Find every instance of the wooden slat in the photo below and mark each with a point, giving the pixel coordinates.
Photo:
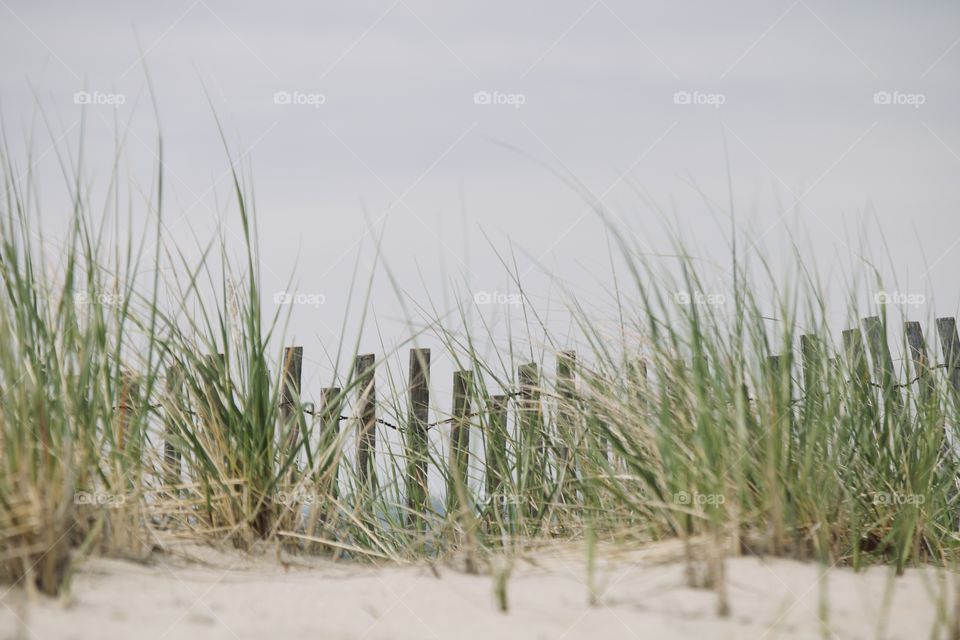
(883, 369)
(367, 410)
(457, 489)
(920, 359)
(416, 435)
(950, 345)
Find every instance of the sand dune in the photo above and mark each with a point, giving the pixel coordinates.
(200, 593)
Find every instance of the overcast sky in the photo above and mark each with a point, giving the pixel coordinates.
(442, 127)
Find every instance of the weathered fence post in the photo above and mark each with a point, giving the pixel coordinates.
(566, 424)
(811, 358)
(457, 489)
(329, 433)
(882, 361)
(781, 386)
(531, 438)
(774, 374)
(855, 356)
(862, 401)
(811, 362)
(950, 345)
(289, 395)
(124, 521)
(920, 359)
(416, 437)
(495, 448)
(328, 456)
(367, 409)
(171, 456)
(777, 438)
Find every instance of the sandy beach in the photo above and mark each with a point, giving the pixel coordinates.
(201, 593)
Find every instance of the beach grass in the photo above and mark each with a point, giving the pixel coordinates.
(135, 408)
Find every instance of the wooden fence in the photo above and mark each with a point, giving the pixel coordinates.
(865, 351)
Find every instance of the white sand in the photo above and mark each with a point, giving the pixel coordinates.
(643, 596)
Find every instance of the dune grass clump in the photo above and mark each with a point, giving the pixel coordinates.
(789, 446)
(72, 414)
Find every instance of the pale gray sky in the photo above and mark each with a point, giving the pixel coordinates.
(388, 134)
